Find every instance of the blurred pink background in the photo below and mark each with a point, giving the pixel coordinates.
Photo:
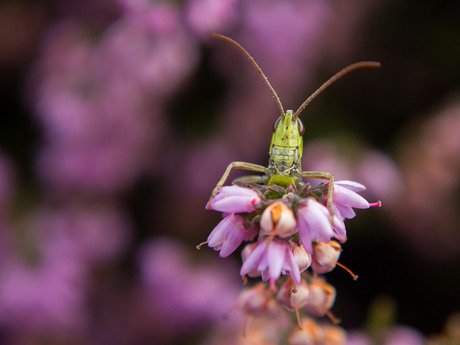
(119, 118)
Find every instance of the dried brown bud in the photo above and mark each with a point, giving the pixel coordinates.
(322, 297)
(292, 296)
(258, 301)
(325, 256)
(278, 219)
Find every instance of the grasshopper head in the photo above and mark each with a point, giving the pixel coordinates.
(286, 144)
(287, 130)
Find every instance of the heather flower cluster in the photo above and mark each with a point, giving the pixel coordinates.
(290, 237)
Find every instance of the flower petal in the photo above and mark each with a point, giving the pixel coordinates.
(340, 230)
(345, 211)
(233, 241)
(253, 259)
(275, 256)
(345, 196)
(227, 235)
(292, 266)
(234, 199)
(220, 232)
(351, 185)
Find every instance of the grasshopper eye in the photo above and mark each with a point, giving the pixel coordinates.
(277, 122)
(301, 127)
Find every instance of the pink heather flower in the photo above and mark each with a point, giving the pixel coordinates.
(272, 257)
(345, 198)
(313, 224)
(234, 199)
(229, 233)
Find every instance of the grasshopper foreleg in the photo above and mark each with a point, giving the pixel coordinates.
(261, 179)
(235, 165)
(330, 188)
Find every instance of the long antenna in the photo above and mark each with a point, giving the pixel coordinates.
(338, 75)
(254, 63)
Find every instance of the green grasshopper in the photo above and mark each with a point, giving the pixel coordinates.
(284, 166)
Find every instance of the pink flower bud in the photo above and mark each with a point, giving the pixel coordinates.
(278, 219)
(292, 296)
(325, 256)
(322, 297)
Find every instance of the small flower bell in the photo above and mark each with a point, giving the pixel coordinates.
(314, 223)
(325, 256)
(258, 301)
(322, 297)
(229, 234)
(293, 296)
(278, 219)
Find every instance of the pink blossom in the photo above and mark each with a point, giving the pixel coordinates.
(345, 198)
(272, 257)
(229, 233)
(314, 224)
(234, 199)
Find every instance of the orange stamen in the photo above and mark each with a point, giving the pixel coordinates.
(332, 317)
(297, 314)
(348, 270)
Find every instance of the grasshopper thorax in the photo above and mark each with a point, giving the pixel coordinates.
(286, 145)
